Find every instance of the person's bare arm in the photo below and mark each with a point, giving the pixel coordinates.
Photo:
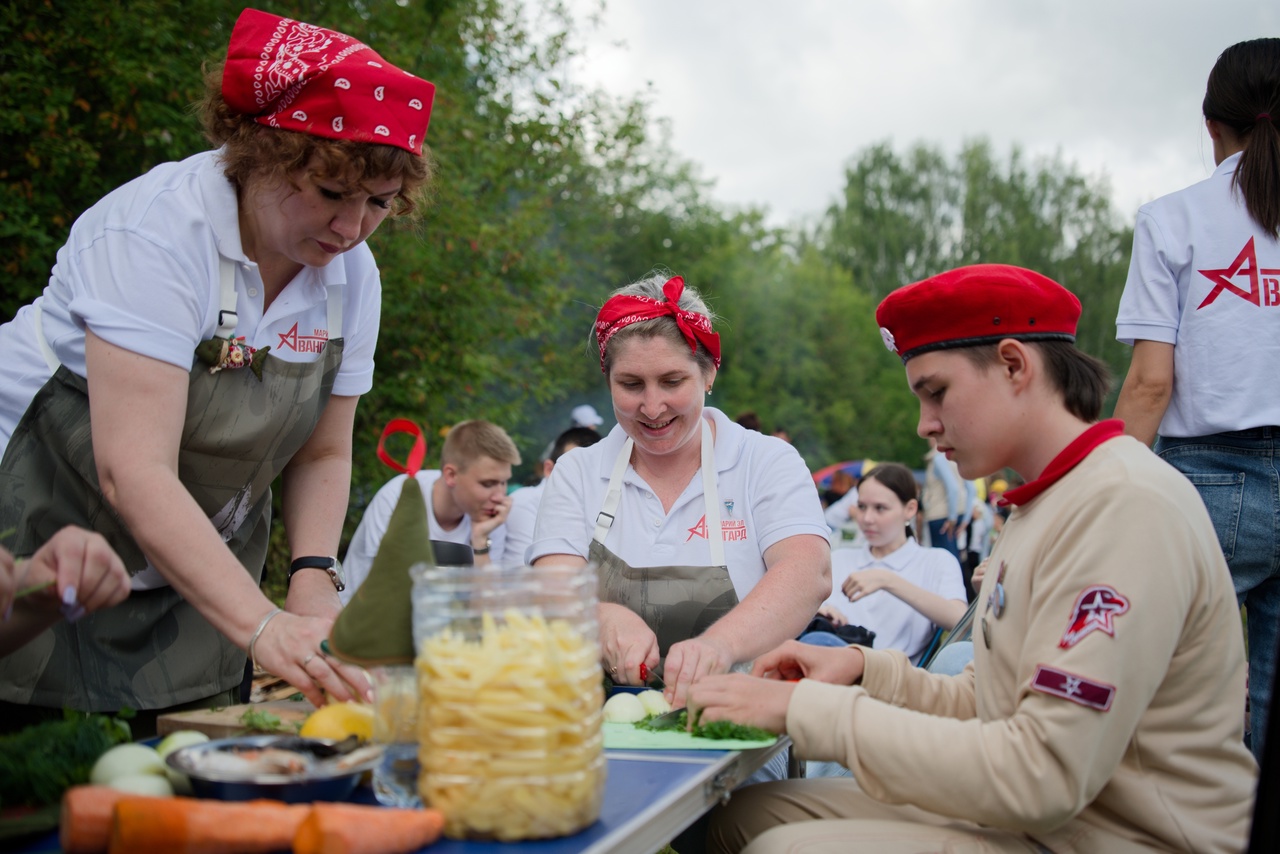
(941, 612)
(316, 489)
(138, 408)
(1147, 388)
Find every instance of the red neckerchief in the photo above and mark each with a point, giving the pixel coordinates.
(1064, 462)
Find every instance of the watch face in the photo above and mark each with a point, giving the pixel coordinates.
(337, 572)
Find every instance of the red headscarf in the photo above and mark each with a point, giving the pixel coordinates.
(622, 310)
(299, 77)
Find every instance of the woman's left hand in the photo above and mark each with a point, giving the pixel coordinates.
(867, 581)
(627, 643)
(690, 660)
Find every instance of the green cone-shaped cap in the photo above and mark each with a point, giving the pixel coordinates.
(376, 627)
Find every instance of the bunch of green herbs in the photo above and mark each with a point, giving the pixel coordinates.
(40, 762)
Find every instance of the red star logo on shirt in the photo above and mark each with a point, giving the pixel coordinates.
(698, 530)
(1246, 264)
(289, 339)
(1095, 610)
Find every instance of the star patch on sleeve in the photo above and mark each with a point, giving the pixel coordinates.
(1077, 689)
(1095, 610)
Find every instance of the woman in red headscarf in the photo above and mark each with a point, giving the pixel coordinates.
(709, 538)
(208, 327)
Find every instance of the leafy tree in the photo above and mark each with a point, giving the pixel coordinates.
(92, 94)
(906, 217)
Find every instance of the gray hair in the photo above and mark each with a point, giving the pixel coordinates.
(661, 327)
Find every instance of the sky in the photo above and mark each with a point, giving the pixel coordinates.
(773, 98)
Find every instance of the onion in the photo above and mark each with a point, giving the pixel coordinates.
(654, 703)
(624, 708)
(124, 760)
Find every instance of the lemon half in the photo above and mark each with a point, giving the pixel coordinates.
(339, 720)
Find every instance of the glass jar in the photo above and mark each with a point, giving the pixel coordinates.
(511, 692)
(395, 725)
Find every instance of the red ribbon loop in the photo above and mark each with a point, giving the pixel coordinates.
(416, 455)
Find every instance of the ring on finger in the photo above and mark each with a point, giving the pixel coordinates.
(307, 660)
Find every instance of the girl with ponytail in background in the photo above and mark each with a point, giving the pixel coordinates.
(1201, 309)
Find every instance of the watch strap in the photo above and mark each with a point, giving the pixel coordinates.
(488, 543)
(328, 563)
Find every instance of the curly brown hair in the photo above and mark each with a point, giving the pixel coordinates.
(252, 151)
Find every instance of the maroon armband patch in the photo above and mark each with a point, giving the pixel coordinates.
(1077, 689)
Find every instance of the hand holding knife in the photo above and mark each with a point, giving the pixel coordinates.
(651, 679)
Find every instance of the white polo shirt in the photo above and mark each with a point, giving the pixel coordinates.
(373, 525)
(1206, 278)
(520, 521)
(766, 492)
(141, 268)
(897, 625)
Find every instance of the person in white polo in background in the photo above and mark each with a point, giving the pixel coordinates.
(1199, 308)
(525, 502)
(467, 500)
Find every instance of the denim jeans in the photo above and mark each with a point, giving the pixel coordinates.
(822, 639)
(1238, 476)
(952, 659)
(939, 540)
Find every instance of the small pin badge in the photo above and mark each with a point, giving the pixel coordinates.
(995, 602)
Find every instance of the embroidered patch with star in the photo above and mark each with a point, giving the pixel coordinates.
(1077, 689)
(1095, 610)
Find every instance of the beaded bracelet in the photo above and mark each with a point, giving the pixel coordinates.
(275, 612)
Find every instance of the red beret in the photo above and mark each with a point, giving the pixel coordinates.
(304, 78)
(970, 306)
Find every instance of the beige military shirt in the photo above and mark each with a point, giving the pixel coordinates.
(1104, 709)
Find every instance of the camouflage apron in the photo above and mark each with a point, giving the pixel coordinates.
(676, 602)
(155, 649)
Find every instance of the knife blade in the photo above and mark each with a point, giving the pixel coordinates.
(666, 720)
(650, 679)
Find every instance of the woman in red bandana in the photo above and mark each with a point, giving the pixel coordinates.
(709, 538)
(208, 327)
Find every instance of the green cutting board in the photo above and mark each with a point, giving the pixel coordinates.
(629, 737)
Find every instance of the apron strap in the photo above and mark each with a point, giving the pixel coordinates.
(604, 519)
(227, 300)
(49, 358)
(227, 318)
(710, 495)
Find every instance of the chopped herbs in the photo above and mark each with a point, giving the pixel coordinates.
(715, 729)
(262, 721)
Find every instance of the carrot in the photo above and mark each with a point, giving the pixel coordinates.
(193, 826)
(334, 828)
(84, 827)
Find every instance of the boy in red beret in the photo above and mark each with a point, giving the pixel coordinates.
(1104, 707)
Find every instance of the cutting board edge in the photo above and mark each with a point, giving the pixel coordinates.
(225, 722)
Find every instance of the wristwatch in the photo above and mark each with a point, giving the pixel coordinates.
(330, 565)
(484, 551)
